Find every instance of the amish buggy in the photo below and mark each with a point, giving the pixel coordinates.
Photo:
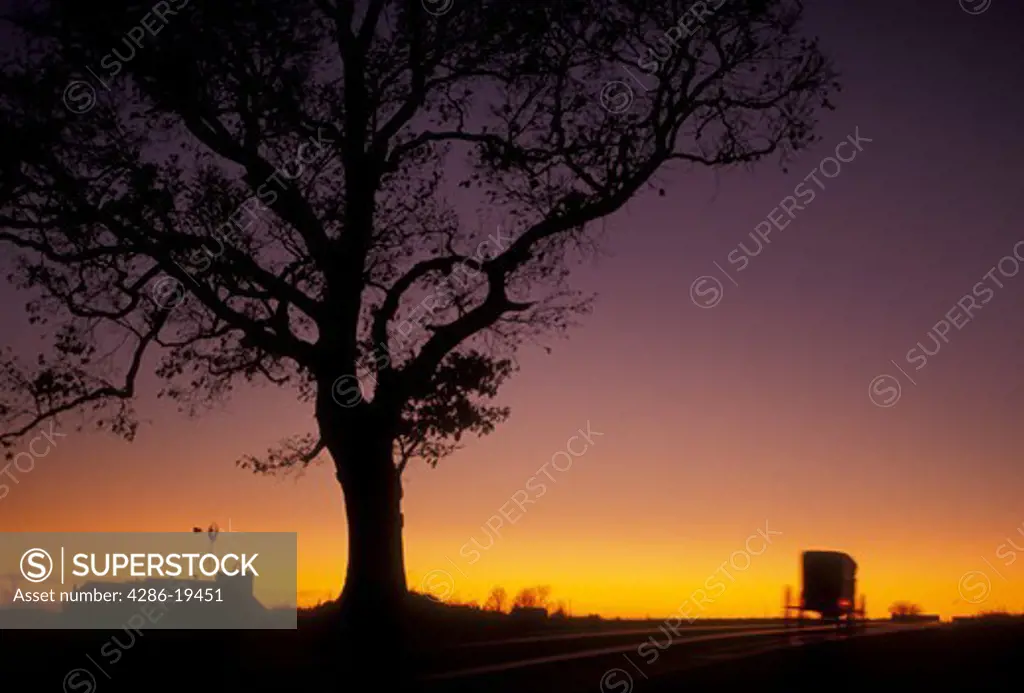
(829, 590)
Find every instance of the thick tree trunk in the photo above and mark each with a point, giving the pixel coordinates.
(375, 585)
(373, 623)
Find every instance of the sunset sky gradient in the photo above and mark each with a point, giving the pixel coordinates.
(716, 422)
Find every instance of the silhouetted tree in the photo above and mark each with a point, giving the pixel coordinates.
(265, 191)
(532, 597)
(496, 600)
(904, 609)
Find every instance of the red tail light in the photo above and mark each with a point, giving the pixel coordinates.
(844, 603)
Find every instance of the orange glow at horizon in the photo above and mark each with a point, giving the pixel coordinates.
(622, 531)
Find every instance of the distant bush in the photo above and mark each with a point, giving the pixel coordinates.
(533, 598)
(497, 600)
(905, 609)
(562, 610)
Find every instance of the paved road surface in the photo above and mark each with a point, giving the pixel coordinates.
(570, 662)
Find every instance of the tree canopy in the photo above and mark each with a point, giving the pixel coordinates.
(373, 203)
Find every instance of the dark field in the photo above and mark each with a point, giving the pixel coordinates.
(967, 657)
(975, 657)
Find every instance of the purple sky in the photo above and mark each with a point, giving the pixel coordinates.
(716, 418)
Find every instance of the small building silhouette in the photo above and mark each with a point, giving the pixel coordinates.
(529, 613)
(915, 618)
